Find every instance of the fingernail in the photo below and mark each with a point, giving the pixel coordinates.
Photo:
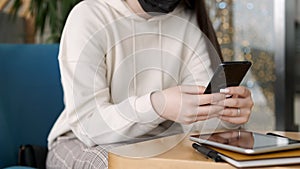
(228, 95)
(224, 90)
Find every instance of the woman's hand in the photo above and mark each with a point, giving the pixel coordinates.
(237, 109)
(187, 104)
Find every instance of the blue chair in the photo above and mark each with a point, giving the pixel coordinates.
(31, 97)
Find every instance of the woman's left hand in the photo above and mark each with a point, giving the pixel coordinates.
(237, 108)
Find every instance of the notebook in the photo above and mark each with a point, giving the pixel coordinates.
(275, 158)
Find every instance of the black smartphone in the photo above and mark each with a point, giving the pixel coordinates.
(228, 74)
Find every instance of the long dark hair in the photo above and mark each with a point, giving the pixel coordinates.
(205, 26)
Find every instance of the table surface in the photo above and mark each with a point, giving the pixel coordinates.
(173, 152)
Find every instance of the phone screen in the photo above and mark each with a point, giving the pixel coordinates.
(228, 74)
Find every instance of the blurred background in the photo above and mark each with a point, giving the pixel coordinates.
(266, 33)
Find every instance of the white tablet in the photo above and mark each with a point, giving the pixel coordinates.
(246, 142)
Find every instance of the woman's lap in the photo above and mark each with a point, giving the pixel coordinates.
(69, 152)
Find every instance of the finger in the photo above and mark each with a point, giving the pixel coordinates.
(192, 89)
(235, 102)
(241, 91)
(232, 112)
(229, 112)
(203, 113)
(205, 99)
(208, 110)
(234, 120)
(201, 89)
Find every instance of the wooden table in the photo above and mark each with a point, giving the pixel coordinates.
(173, 152)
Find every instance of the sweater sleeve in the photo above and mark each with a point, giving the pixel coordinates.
(91, 114)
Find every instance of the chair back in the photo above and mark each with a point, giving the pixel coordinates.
(31, 97)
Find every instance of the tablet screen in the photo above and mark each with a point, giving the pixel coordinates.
(246, 139)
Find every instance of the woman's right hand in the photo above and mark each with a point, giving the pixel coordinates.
(186, 104)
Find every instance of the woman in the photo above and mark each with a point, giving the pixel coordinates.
(136, 69)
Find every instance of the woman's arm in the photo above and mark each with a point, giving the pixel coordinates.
(91, 113)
